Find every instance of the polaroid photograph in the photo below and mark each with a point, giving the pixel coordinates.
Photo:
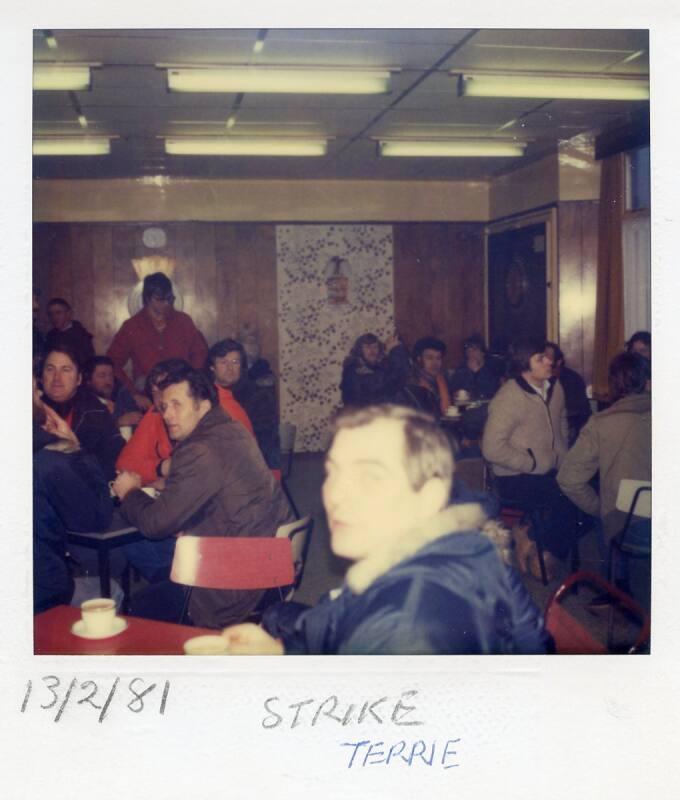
(341, 367)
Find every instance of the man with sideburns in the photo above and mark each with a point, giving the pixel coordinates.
(218, 485)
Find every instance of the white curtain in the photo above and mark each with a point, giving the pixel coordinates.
(637, 274)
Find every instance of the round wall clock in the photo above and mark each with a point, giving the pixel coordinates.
(154, 237)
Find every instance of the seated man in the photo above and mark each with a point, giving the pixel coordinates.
(617, 443)
(69, 493)
(424, 580)
(68, 332)
(641, 343)
(575, 397)
(148, 451)
(427, 389)
(217, 485)
(95, 429)
(475, 376)
(99, 377)
(244, 400)
(525, 440)
(373, 373)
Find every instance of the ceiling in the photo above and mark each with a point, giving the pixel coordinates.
(129, 99)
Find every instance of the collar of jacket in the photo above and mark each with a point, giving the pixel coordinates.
(455, 519)
(527, 387)
(630, 404)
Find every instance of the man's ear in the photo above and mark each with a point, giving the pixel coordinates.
(433, 496)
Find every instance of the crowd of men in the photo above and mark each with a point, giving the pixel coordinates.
(430, 568)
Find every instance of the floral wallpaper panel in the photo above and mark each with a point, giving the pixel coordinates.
(335, 282)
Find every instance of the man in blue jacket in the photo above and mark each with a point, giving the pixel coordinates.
(425, 578)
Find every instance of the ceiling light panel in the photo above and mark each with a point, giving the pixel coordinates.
(550, 87)
(72, 146)
(235, 146)
(287, 81)
(450, 148)
(61, 77)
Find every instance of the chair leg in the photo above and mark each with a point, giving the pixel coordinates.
(185, 607)
(286, 491)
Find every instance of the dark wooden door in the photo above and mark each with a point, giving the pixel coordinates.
(517, 285)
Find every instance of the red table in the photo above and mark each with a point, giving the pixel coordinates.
(52, 636)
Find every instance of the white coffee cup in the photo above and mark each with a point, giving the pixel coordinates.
(206, 646)
(98, 615)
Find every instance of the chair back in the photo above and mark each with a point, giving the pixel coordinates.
(298, 533)
(635, 497)
(571, 637)
(223, 562)
(287, 434)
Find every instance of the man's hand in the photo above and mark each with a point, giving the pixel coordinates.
(58, 426)
(164, 467)
(251, 640)
(125, 482)
(131, 418)
(142, 401)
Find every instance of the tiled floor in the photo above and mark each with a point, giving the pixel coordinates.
(324, 571)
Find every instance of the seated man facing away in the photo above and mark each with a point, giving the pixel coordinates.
(427, 389)
(425, 579)
(617, 443)
(217, 485)
(373, 373)
(525, 440)
(99, 378)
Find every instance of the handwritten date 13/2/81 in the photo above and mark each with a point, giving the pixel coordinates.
(51, 693)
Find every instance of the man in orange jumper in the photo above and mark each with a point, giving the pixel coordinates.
(155, 333)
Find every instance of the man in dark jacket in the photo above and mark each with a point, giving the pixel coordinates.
(425, 579)
(95, 429)
(575, 396)
(373, 373)
(218, 485)
(475, 376)
(68, 332)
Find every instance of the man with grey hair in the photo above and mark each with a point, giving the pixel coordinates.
(425, 578)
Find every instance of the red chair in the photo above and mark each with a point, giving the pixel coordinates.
(222, 562)
(571, 638)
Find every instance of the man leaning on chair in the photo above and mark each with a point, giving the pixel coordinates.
(207, 492)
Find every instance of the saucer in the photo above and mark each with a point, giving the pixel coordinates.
(119, 625)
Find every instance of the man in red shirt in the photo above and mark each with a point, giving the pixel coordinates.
(154, 334)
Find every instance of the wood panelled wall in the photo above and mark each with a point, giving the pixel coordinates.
(225, 272)
(577, 254)
(439, 283)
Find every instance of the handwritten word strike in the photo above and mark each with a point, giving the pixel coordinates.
(311, 712)
(134, 695)
(367, 753)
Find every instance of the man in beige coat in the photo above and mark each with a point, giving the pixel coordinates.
(616, 442)
(525, 440)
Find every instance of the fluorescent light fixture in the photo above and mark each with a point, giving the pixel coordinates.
(64, 77)
(72, 146)
(51, 42)
(268, 79)
(446, 148)
(238, 146)
(551, 87)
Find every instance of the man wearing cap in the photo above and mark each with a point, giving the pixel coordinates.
(155, 333)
